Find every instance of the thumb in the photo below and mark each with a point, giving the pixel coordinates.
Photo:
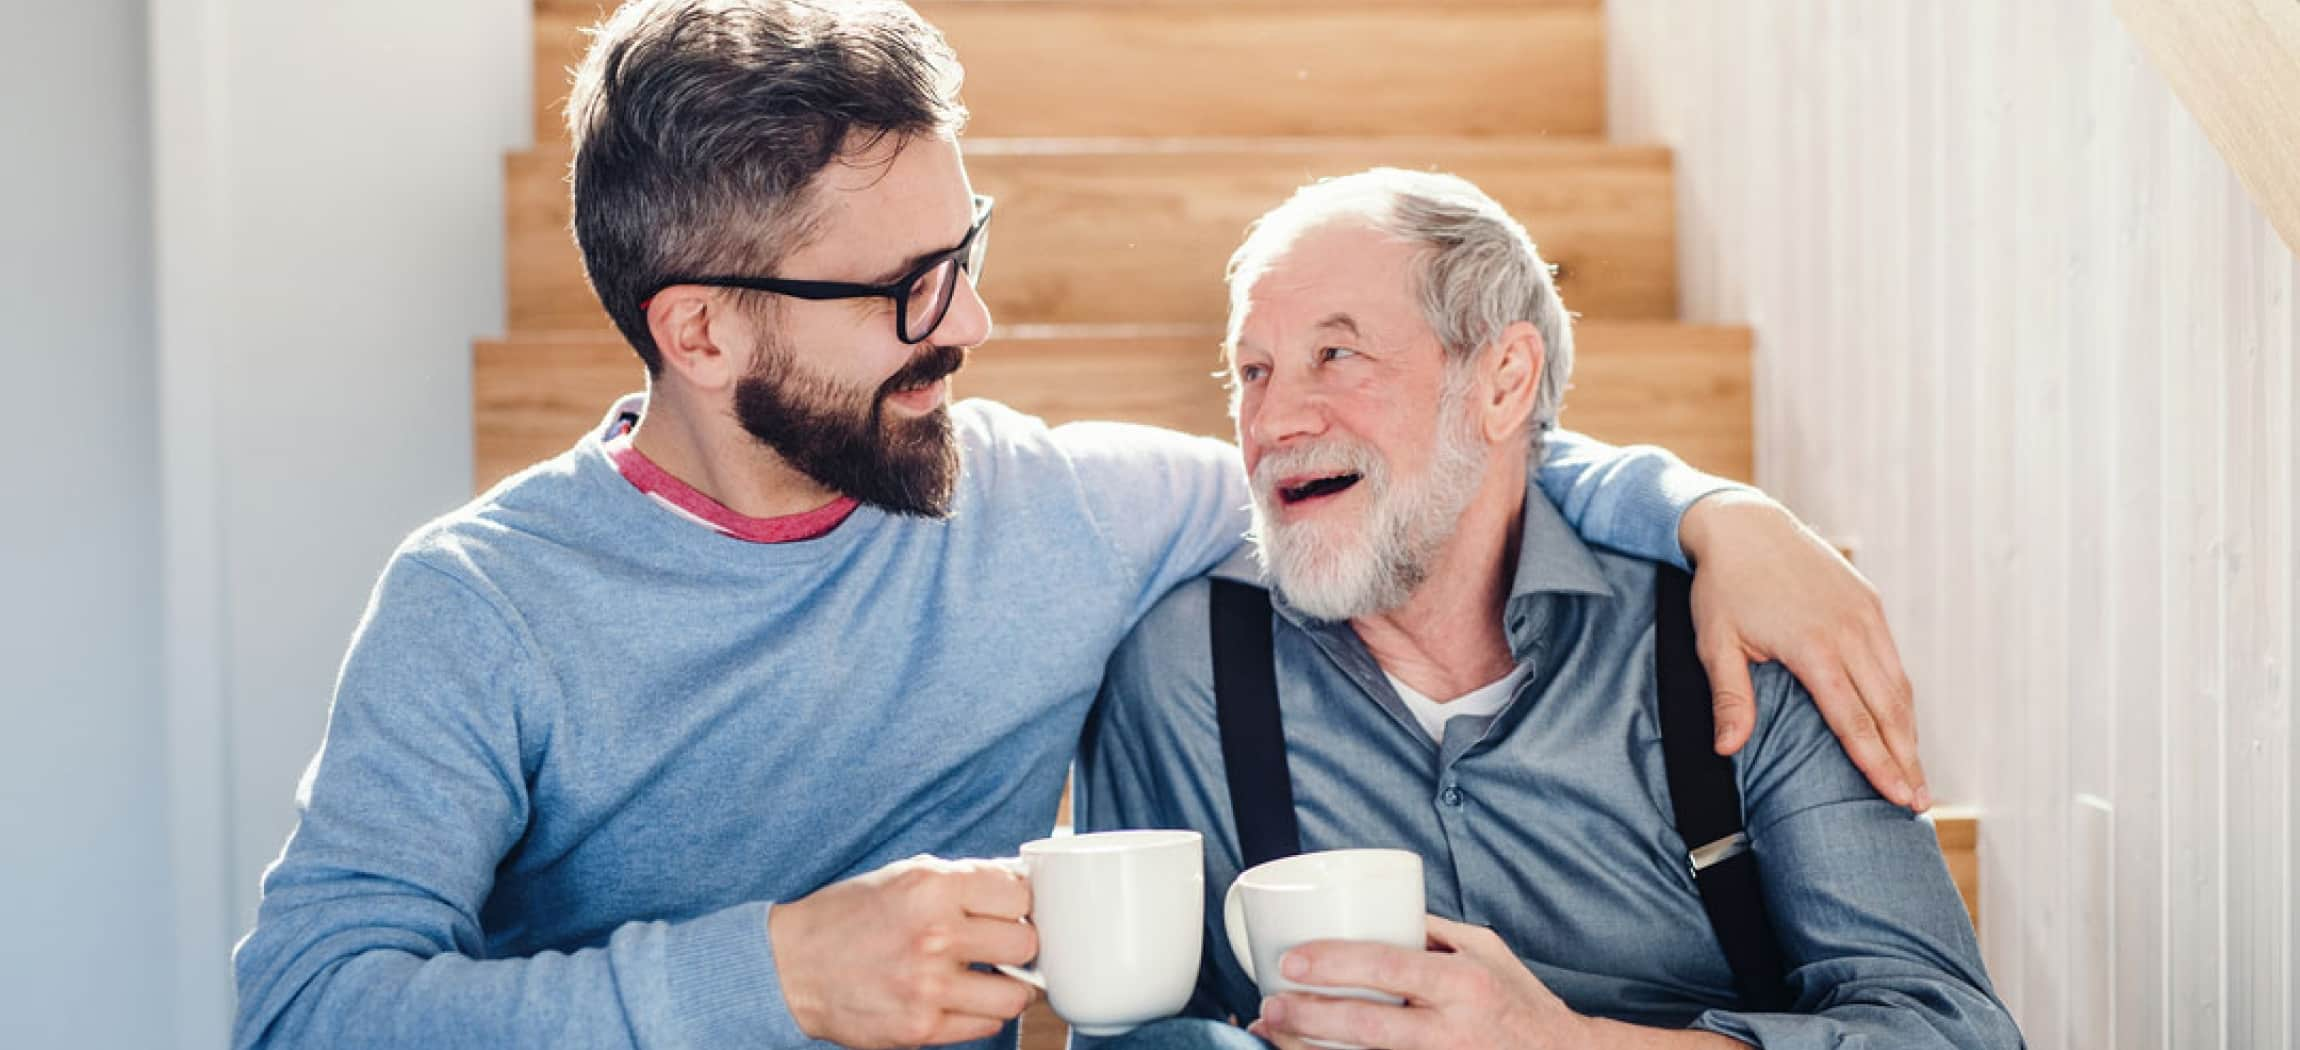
(1732, 695)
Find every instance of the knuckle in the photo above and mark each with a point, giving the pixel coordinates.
(916, 1027)
(933, 939)
(1389, 971)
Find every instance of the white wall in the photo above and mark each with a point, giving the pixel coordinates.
(83, 839)
(333, 246)
(2025, 343)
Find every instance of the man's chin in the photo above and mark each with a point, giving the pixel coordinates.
(919, 482)
(1317, 583)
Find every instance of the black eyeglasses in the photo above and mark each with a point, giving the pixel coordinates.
(921, 297)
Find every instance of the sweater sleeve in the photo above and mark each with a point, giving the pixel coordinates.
(1170, 505)
(369, 932)
(1628, 499)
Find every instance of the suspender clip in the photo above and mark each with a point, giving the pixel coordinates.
(1718, 852)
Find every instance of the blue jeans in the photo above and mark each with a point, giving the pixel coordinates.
(1178, 1033)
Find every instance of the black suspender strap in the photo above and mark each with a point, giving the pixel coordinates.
(1253, 736)
(1708, 802)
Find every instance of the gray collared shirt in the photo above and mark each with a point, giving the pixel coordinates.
(1550, 822)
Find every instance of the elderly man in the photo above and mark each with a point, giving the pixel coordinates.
(1451, 670)
(640, 748)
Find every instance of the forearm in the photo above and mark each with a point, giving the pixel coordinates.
(1716, 512)
(313, 980)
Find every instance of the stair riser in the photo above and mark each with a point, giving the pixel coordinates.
(1683, 386)
(1141, 238)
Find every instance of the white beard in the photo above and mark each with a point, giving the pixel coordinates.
(1341, 570)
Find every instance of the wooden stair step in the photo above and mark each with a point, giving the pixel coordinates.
(1137, 232)
(1686, 387)
(1208, 67)
(1958, 829)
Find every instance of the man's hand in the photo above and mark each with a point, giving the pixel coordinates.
(1466, 991)
(1767, 588)
(881, 960)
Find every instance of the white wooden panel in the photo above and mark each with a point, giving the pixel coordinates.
(2023, 340)
(2134, 530)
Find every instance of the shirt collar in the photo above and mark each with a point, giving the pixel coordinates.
(1551, 557)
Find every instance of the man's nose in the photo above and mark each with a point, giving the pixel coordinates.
(1287, 410)
(968, 322)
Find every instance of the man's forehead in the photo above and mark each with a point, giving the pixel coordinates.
(897, 198)
(1328, 290)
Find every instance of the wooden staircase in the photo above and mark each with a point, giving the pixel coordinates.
(1129, 142)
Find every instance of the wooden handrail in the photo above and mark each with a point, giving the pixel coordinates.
(2236, 65)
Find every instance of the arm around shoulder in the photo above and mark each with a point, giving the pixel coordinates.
(1630, 499)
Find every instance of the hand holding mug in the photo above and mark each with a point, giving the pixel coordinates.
(1368, 896)
(883, 959)
(1467, 990)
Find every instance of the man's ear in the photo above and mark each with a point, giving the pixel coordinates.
(691, 326)
(1513, 365)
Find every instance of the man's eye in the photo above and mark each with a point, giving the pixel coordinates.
(1334, 353)
(1251, 373)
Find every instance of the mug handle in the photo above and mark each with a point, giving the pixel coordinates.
(1028, 972)
(1234, 923)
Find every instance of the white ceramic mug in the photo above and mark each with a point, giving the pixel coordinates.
(1121, 919)
(1346, 894)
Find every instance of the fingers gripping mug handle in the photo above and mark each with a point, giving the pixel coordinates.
(1027, 974)
(1234, 923)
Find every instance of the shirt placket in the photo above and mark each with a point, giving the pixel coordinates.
(1455, 797)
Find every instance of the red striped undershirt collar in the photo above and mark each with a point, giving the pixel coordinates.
(688, 502)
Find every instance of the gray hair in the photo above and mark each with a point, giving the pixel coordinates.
(1479, 272)
(700, 125)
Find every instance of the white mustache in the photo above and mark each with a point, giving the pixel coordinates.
(1326, 458)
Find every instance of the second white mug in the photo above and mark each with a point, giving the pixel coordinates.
(1349, 894)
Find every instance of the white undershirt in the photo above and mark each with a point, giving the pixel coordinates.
(1482, 702)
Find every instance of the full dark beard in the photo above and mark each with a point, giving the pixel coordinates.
(843, 439)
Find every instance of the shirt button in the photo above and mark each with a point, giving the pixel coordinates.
(1451, 796)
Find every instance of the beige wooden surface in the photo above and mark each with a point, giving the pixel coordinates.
(1211, 68)
(2236, 65)
(1959, 831)
(1138, 232)
(1683, 386)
